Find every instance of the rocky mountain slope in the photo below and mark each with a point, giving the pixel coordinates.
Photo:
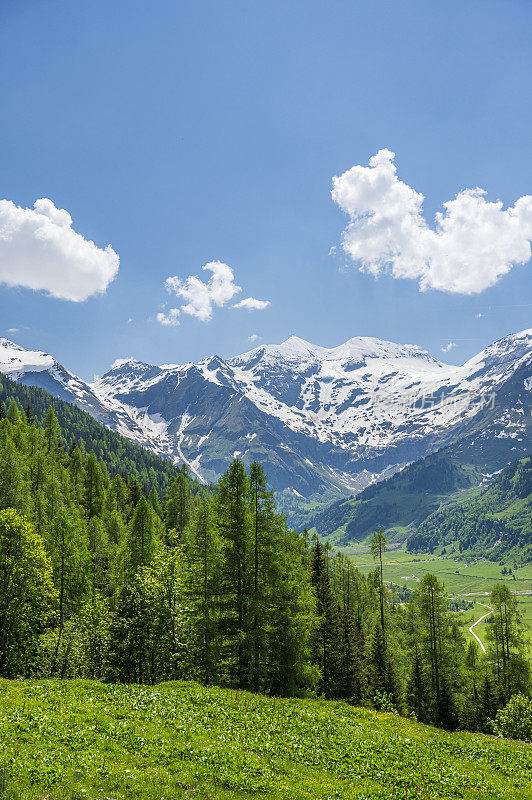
(323, 421)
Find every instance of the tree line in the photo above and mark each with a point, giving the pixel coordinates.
(116, 452)
(105, 577)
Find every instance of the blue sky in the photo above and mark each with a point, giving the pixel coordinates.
(183, 133)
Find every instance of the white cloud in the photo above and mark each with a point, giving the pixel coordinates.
(479, 315)
(254, 337)
(171, 319)
(449, 346)
(201, 297)
(40, 250)
(252, 304)
(12, 330)
(472, 245)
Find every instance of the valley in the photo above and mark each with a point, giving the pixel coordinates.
(324, 422)
(471, 581)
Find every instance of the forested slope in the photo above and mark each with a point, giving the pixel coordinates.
(497, 524)
(406, 498)
(102, 578)
(117, 453)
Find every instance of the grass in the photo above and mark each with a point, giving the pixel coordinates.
(82, 739)
(459, 577)
(472, 581)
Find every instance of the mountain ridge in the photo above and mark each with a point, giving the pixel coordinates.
(323, 421)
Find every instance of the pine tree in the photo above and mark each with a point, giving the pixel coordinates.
(69, 557)
(439, 642)
(93, 487)
(267, 533)
(507, 643)
(235, 530)
(29, 414)
(327, 639)
(382, 677)
(179, 501)
(416, 695)
(141, 540)
(52, 430)
(13, 413)
(378, 546)
(203, 552)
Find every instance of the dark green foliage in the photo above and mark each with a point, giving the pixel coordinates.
(219, 589)
(118, 454)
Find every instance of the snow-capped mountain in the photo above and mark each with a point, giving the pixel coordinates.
(318, 418)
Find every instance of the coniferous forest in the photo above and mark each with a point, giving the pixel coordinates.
(120, 578)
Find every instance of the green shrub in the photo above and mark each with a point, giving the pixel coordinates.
(515, 719)
(384, 702)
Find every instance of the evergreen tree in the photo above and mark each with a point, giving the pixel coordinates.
(234, 527)
(378, 546)
(141, 540)
(202, 548)
(507, 644)
(327, 639)
(179, 501)
(13, 413)
(93, 486)
(52, 430)
(382, 677)
(439, 642)
(416, 695)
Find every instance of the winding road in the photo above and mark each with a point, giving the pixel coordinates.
(472, 632)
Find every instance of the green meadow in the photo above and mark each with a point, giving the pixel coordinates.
(471, 581)
(81, 739)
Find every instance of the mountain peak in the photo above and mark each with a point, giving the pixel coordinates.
(15, 359)
(356, 349)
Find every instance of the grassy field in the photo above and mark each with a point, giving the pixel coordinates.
(81, 739)
(460, 578)
(470, 581)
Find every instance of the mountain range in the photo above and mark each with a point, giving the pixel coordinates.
(323, 421)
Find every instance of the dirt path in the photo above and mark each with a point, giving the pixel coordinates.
(472, 632)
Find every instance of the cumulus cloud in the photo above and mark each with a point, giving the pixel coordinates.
(170, 319)
(472, 245)
(449, 346)
(200, 297)
(252, 304)
(40, 250)
(254, 337)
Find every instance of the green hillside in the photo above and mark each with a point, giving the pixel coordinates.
(405, 499)
(496, 524)
(100, 581)
(120, 455)
(83, 739)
